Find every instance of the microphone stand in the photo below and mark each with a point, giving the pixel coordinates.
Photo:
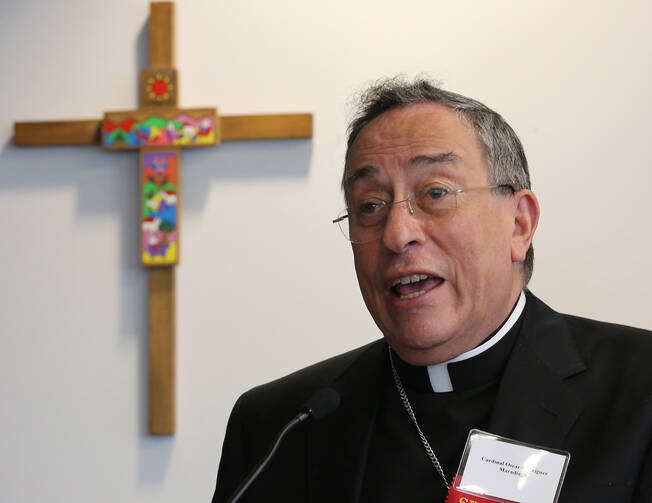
(299, 418)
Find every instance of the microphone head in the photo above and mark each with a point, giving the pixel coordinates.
(322, 403)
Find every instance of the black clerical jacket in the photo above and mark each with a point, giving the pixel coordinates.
(570, 383)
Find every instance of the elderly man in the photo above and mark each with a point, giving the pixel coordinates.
(441, 218)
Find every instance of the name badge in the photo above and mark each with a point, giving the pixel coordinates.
(498, 469)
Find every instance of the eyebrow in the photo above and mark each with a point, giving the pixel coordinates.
(433, 159)
(418, 161)
(362, 172)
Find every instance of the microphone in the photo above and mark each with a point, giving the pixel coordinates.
(319, 405)
(322, 403)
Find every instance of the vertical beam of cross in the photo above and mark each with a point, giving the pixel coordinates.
(162, 322)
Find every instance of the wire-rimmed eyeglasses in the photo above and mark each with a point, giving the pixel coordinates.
(364, 219)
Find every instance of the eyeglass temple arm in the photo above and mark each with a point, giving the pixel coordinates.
(339, 219)
(501, 186)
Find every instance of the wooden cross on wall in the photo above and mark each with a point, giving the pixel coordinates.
(159, 130)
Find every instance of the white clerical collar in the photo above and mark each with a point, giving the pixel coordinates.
(440, 379)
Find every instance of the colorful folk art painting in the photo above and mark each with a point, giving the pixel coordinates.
(159, 87)
(182, 130)
(160, 208)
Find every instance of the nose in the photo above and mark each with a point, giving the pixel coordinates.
(402, 228)
(408, 203)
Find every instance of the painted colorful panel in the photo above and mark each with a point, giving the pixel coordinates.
(158, 87)
(181, 130)
(160, 207)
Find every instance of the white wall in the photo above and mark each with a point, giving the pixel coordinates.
(268, 287)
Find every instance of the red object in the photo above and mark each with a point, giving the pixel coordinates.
(159, 87)
(457, 496)
(125, 125)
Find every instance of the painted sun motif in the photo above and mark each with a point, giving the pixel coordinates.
(159, 87)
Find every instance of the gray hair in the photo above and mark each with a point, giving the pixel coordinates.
(506, 161)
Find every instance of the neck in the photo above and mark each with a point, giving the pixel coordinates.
(439, 374)
(462, 343)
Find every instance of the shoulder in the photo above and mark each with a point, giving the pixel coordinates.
(288, 393)
(613, 355)
(588, 334)
(591, 333)
(622, 350)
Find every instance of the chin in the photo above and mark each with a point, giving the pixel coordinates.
(421, 349)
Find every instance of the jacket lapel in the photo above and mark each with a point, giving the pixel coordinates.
(338, 444)
(533, 404)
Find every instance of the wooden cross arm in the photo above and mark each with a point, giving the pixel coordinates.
(266, 127)
(86, 132)
(233, 127)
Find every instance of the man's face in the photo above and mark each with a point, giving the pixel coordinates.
(472, 282)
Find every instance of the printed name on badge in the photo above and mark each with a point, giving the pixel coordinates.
(498, 469)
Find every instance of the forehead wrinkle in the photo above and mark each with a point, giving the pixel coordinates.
(423, 160)
(365, 171)
(426, 160)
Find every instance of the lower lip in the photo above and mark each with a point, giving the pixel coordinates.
(403, 301)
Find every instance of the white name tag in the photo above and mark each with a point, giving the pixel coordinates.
(497, 467)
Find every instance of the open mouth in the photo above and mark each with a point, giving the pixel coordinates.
(414, 285)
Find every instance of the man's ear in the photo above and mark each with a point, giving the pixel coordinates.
(526, 218)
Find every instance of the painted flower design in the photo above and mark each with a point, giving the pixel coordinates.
(159, 87)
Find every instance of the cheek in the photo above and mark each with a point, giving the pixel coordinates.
(493, 248)
(364, 261)
(365, 269)
(477, 252)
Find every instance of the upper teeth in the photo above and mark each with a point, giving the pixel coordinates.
(406, 280)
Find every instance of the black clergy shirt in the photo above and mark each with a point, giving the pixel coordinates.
(398, 469)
